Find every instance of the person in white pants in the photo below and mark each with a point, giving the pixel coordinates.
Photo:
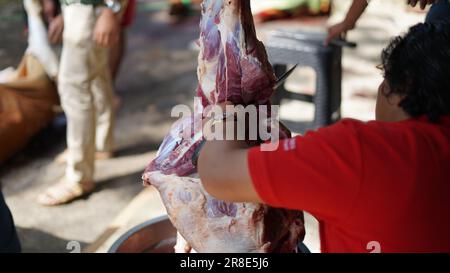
(85, 88)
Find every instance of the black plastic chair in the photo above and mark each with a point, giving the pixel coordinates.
(307, 49)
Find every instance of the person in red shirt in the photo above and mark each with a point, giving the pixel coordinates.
(385, 181)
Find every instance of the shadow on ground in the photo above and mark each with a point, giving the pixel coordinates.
(34, 240)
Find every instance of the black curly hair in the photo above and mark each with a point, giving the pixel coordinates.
(417, 66)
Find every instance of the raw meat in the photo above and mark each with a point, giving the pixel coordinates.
(233, 66)
(210, 225)
(233, 63)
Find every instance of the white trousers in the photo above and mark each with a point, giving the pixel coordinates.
(85, 88)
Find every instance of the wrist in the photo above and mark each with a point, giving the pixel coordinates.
(106, 10)
(113, 5)
(108, 14)
(349, 24)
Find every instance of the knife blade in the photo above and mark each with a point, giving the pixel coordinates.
(284, 77)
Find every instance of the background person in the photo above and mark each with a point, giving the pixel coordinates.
(86, 93)
(440, 10)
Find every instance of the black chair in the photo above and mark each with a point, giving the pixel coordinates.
(307, 49)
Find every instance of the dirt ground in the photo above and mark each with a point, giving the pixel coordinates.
(159, 72)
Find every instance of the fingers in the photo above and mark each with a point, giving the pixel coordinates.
(331, 35)
(96, 37)
(115, 38)
(55, 34)
(55, 30)
(412, 3)
(110, 39)
(51, 35)
(100, 38)
(328, 39)
(105, 39)
(107, 29)
(423, 3)
(53, 39)
(337, 31)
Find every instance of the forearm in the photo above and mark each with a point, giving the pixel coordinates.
(215, 158)
(354, 13)
(223, 169)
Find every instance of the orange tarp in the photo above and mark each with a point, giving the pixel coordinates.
(27, 103)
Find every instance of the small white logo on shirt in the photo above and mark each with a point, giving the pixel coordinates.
(289, 144)
(74, 246)
(374, 247)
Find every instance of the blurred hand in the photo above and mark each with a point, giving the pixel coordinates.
(423, 3)
(337, 31)
(49, 10)
(106, 31)
(55, 29)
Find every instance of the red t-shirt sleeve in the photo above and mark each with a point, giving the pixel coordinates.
(320, 172)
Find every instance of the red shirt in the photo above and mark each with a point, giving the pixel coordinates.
(365, 182)
(129, 14)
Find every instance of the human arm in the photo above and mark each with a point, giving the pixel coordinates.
(354, 13)
(55, 29)
(107, 28)
(222, 166)
(320, 172)
(224, 172)
(51, 12)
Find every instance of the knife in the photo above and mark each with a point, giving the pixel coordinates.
(284, 77)
(342, 43)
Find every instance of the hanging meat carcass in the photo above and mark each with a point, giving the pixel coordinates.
(233, 66)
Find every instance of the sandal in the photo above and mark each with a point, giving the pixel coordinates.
(62, 157)
(64, 192)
